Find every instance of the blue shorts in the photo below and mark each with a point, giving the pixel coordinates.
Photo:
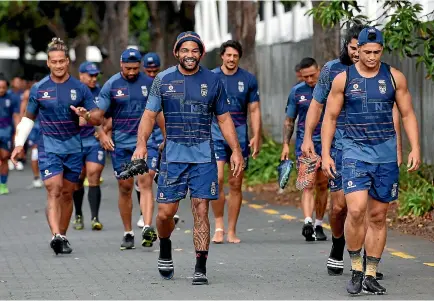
(336, 183)
(34, 137)
(176, 179)
(121, 156)
(153, 160)
(51, 164)
(6, 144)
(223, 152)
(381, 180)
(95, 154)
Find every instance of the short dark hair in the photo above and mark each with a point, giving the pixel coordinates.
(297, 68)
(57, 44)
(352, 33)
(308, 62)
(233, 44)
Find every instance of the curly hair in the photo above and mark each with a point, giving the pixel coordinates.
(352, 33)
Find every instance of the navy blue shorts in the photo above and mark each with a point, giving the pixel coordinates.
(6, 144)
(381, 180)
(176, 179)
(95, 154)
(153, 158)
(223, 152)
(51, 164)
(336, 183)
(34, 137)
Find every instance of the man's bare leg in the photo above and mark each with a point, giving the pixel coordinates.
(218, 206)
(201, 238)
(126, 210)
(337, 216)
(307, 205)
(234, 206)
(66, 206)
(149, 234)
(321, 198)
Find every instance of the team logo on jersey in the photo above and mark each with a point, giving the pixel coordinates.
(144, 91)
(394, 190)
(350, 184)
(73, 94)
(382, 86)
(119, 93)
(213, 189)
(170, 88)
(45, 95)
(8, 103)
(302, 98)
(241, 86)
(204, 90)
(355, 87)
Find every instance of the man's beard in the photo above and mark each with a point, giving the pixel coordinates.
(183, 62)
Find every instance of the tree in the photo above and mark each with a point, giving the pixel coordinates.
(405, 31)
(242, 20)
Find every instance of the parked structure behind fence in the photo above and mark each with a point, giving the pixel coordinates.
(276, 76)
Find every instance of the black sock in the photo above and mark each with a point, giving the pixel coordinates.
(165, 248)
(338, 247)
(94, 196)
(201, 257)
(78, 201)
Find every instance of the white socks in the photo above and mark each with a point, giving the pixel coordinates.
(318, 222)
(308, 220)
(129, 232)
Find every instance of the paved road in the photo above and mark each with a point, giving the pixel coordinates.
(273, 262)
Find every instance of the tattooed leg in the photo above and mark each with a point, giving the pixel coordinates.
(201, 232)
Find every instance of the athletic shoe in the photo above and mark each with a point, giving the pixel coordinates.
(284, 170)
(176, 218)
(96, 225)
(166, 268)
(308, 232)
(127, 242)
(11, 165)
(4, 189)
(199, 279)
(134, 168)
(66, 249)
(371, 286)
(148, 236)
(20, 166)
(140, 222)
(319, 233)
(379, 276)
(354, 286)
(57, 244)
(37, 183)
(78, 222)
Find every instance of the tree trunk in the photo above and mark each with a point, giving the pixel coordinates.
(242, 18)
(80, 45)
(326, 41)
(167, 24)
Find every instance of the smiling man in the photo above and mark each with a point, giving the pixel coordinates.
(58, 99)
(189, 96)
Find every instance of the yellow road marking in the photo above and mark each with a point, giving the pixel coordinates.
(271, 211)
(400, 254)
(430, 264)
(327, 226)
(255, 206)
(301, 220)
(288, 217)
(187, 231)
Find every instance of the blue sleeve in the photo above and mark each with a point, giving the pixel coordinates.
(220, 101)
(88, 98)
(292, 109)
(154, 99)
(33, 104)
(104, 97)
(324, 85)
(253, 90)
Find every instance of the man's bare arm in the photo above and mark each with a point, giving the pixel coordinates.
(145, 127)
(288, 129)
(255, 118)
(161, 124)
(333, 109)
(397, 126)
(312, 118)
(228, 130)
(404, 102)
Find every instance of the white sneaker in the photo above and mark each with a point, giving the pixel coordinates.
(20, 166)
(37, 183)
(11, 165)
(140, 222)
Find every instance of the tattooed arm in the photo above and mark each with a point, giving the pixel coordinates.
(288, 125)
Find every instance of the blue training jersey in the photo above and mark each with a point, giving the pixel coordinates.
(9, 105)
(59, 124)
(125, 102)
(189, 103)
(87, 132)
(241, 89)
(322, 90)
(298, 104)
(369, 130)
